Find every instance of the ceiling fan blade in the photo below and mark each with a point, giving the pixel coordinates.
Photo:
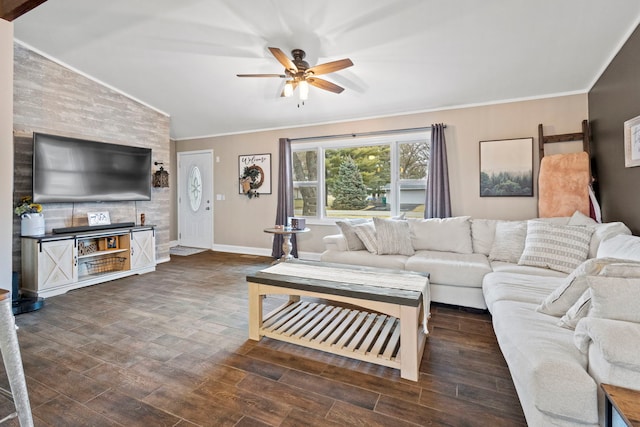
(282, 76)
(283, 59)
(330, 67)
(326, 85)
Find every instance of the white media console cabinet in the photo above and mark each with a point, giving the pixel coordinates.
(53, 264)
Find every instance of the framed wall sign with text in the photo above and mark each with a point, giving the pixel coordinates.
(255, 173)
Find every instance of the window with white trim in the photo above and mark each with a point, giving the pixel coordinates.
(381, 176)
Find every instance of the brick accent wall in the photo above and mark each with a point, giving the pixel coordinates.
(54, 99)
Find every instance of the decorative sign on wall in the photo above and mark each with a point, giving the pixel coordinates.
(632, 142)
(255, 174)
(506, 168)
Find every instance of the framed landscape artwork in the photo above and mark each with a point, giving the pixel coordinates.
(632, 142)
(506, 168)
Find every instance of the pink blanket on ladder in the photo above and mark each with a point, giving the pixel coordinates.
(563, 185)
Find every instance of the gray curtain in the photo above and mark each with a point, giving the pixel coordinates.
(285, 198)
(438, 202)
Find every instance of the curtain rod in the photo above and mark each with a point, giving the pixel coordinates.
(356, 135)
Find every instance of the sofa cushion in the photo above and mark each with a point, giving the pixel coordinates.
(612, 348)
(393, 237)
(578, 218)
(559, 247)
(561, 299)
(509, 267)
(508, 242)
(442, 234)
(544, 361)
(335, 242)
(616, 340)
(448, 268)
(615, 298)
(620, 246)
(605, 371)
(483, 232)
(505, 286)
(395, 262)
(346, 227)
(366, 232)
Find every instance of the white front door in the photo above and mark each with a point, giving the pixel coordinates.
(195, 199)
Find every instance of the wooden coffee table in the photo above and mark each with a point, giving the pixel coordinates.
(384, 324)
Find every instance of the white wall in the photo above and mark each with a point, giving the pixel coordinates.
(6, 150)
(239, 222)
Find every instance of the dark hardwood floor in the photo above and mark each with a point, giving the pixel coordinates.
(170, 348)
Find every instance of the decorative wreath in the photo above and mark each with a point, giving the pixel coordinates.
(255, 174)
(251, 179)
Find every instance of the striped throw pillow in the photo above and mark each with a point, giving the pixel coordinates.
(393, 237)
(367, 234)
(558, 247)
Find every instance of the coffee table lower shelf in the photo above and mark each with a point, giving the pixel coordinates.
(354, 333)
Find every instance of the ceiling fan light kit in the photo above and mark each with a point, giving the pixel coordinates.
(304, 90)
(299, 74)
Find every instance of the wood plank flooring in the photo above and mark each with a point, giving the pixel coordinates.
(170, 348)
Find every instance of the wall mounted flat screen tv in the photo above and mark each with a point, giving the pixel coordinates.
(75, 170)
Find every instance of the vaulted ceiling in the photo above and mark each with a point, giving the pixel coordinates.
(12, 9)
(182, 57)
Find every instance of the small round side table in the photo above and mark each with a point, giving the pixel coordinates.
(286, 233)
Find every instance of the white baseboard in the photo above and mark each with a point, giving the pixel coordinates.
(161, 260)
(309, 256)
(173, 243)
(246, 250)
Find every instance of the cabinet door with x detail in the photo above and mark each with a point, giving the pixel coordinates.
(57, 263)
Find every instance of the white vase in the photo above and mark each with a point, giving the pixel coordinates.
(32, 224)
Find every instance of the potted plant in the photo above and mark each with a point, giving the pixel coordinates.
(32, 220)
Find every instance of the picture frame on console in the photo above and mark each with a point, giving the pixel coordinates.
(632, 142)
(98, 218)
(506, 168)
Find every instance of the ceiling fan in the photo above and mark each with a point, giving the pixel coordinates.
(299, 74)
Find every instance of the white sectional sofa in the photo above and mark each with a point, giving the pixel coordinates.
(539, 279)
(457, 252)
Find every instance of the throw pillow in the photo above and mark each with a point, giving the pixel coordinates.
(560, 300)
(622, 268)
(577, 311)
(603, 232)
(615, 298)
(366, 232)
(393, 237)
(558, 247)
(442, 234)
(621, 246)
(508, 242)
(578, 218)
(353, 241)
(483, 232)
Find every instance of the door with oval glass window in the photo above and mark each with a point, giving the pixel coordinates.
(195, 199)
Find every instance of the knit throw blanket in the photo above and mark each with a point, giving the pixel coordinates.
(408, 282)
